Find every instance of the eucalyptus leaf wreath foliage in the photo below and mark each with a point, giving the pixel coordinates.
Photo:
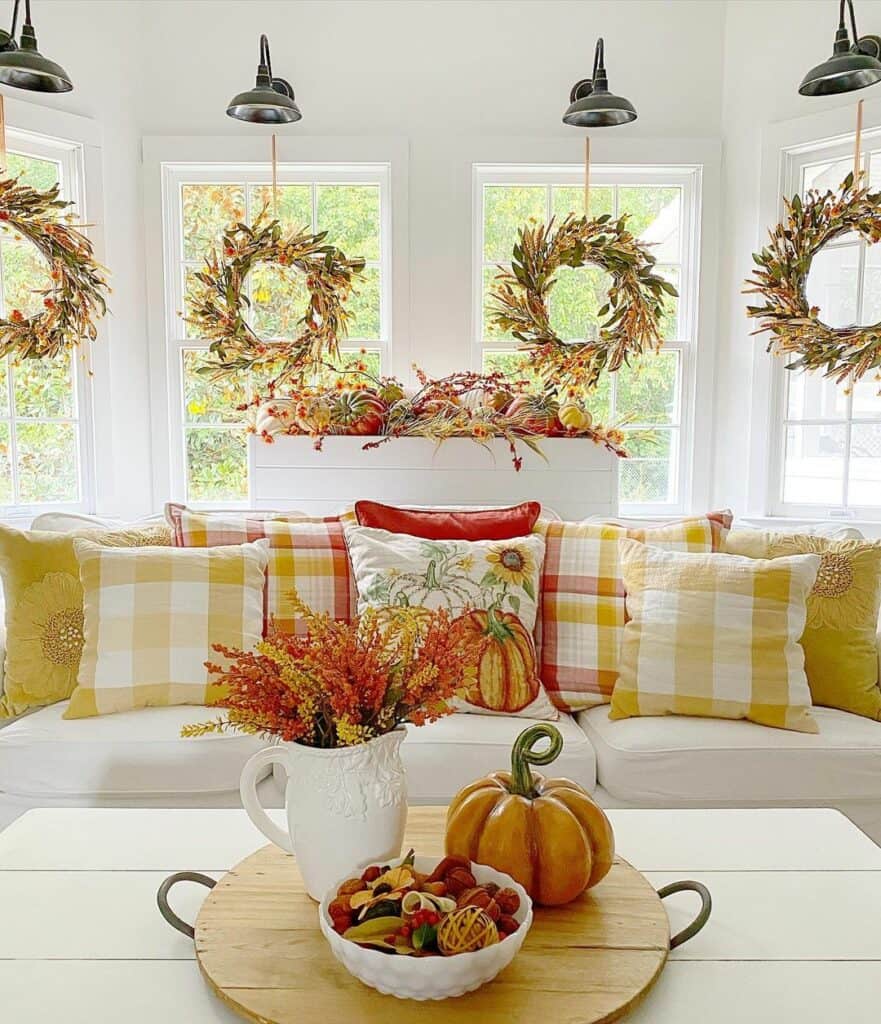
(841, 353)
(75, 296)
(219, 306)
(630, 319)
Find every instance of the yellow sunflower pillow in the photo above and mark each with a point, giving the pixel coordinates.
(840, 638)
(44, 610)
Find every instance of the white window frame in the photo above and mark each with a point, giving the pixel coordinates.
(170, 161)
(74, 143)
(689, 178)
(789, 147)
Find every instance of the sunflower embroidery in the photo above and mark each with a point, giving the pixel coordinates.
(512, 565)
(846, 590)
(48, 621)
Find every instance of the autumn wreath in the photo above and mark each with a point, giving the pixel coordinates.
(783, 267)
(631, 316)
(75, 297)
(218, 305)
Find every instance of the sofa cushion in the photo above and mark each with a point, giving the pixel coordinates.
(664, 761)
(130, 753)
(443, 757)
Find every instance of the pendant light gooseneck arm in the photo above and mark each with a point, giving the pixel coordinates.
(853, 21)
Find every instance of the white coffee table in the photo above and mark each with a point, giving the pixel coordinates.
(795, 934)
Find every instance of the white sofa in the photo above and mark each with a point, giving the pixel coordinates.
(139, 759)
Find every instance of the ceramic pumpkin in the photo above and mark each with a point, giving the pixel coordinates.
(537, 413)
(547, 834)
(506, 676)
(357, 412)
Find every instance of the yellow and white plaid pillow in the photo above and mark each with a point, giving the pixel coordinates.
(151, 616)
(715, 636)
(579, 631)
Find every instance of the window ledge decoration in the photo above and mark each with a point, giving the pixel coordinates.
(75, 297)
(219, 306)
(631, 317)
(472, 405)
(842, 353)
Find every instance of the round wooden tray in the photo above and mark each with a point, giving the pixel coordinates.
(260, 949)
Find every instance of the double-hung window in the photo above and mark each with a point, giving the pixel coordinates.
(826, 441)
(348, 201)
(652, 400)
(45, 444)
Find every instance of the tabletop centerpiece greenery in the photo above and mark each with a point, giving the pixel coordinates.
(471, 405)
(340, 683)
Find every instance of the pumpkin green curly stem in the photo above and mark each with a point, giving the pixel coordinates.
(522, 756)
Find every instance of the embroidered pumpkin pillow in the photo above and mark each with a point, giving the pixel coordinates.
(841, 654)
(492, 584)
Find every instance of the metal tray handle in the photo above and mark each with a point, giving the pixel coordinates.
(162, 898)
(703, 916)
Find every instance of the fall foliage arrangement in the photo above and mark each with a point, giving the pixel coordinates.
(343, 683)
(218, 307)
(75, 297)
(631, 318)
(443, 913)
(842, 353)
(472, 405)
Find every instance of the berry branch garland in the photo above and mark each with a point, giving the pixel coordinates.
(75, 297)
(632, 313)
(842, 353)
(219, 306)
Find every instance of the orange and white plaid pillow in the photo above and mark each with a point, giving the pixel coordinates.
(582, 604)
(305, 554)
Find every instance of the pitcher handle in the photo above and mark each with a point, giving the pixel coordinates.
(162, 898)
(253, 769)
(703, 915)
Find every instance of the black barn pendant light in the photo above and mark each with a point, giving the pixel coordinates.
(592, 105)
(271, 101)
(23, 66)
(851, 66)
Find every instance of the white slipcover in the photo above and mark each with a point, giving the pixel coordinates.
(443, 757)
(671, 759)
(134, 753)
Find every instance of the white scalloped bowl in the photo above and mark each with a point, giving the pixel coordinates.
(434, 977)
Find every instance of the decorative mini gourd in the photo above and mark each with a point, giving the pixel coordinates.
(547, 834)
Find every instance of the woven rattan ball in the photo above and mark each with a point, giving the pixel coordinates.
(466, 930)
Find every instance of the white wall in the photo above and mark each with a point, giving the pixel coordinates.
(461, 82)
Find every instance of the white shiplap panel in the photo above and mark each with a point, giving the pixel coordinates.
(576, 479)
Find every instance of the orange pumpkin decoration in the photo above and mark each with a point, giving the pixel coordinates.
(547, 834)
(506, 677)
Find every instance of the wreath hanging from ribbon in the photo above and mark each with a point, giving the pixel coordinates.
(219, 305)
(75, 297)
(842, 353)
(631, 316)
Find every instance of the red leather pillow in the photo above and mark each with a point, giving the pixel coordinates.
(444, 524)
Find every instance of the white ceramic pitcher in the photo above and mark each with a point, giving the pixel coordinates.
(345, 806)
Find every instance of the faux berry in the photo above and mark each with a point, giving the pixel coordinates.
(371, 874)
(507, 925)
(459, 879)
(508, 900)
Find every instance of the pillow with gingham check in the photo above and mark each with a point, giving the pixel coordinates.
(582, 618)
(716, 636)
(306, 554)
(152, 616)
